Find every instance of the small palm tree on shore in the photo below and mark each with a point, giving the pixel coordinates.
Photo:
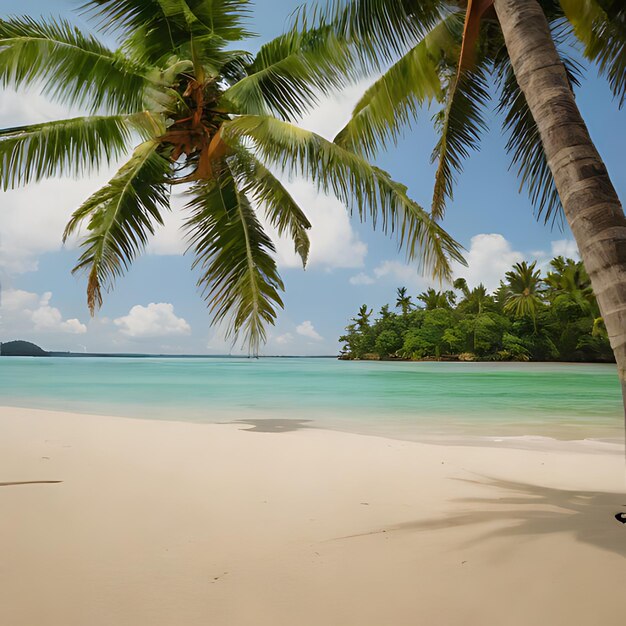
(403, 300)
(362, 320)
(524, 287)
(433, 299)
(475, 300)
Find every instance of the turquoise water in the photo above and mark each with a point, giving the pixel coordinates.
(408, 400)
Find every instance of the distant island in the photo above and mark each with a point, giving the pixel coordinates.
(21, 348)
(27, 348)
(529, 317)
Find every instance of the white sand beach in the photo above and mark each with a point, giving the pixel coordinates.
(171, 523)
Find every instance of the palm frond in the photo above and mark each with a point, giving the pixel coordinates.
(601, 27)
(67, 147)
(362, 187)
(383, 29)
(238, 277)
(460, 125)
(155, 29)
(394, 100)
(281, 210)
(525, 289)
(120, 217)
(69, 66)
(289, 73)
(223, 17)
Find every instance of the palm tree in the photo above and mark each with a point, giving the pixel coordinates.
(524, 297)
(205, 115)
(589, 200)
(462, 286)
(403, 301)
(384, 312)
(434, 299)
(362, 320)
(569, 280)
(475, 300)
(448, 51)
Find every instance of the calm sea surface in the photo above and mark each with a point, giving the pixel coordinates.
(407, 400)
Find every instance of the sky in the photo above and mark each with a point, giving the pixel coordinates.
(157, 308)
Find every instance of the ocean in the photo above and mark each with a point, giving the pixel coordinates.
(461, 402)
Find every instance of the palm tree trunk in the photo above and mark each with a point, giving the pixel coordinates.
(591, 205)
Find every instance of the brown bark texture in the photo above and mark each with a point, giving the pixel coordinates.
(590, 202)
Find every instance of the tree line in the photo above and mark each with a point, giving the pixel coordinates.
(529, 317)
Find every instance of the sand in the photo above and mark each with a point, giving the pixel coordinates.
(122, 522)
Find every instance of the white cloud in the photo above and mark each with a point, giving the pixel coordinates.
(566, 248)
(27, 311)
(401, 273)
(17, 300)
(490, 256)
(32, 219)
(46, 317)
(154, 320)
(396, 272)
(306, 329)
(74, 326)
(334, 111)
(362, 279)
(169, 239)
(30, 107)
(334, 244)
(285, 339)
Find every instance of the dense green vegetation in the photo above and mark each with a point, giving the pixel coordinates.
(530, 317)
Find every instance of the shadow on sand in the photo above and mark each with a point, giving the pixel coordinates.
(533, 510)
(274, 425)
(31, 482)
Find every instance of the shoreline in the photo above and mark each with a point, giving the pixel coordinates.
(456, 358)
(311, 421)
(168, 522)
(504, 405)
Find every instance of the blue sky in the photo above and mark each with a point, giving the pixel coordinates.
(156, 307)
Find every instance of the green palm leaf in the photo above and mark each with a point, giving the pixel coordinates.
(460, 125)
(67, 147)
(354, 181)
(238, 277)
(69, 66)
(289, 73)
(222, 17)
(383, 29)
(525, 288)
(281, 210)
(120, 217)
(601, 27)
(394, 100)
(155, 29)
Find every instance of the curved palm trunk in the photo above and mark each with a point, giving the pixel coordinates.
(591, 205)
